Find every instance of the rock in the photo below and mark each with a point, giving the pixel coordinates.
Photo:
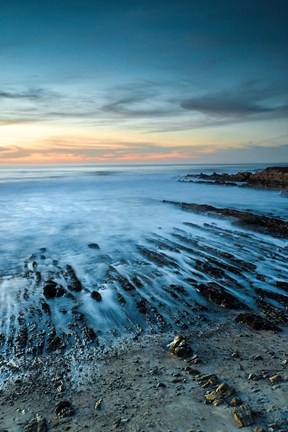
(222, 388)
(211, 396)
(258, 429)
(37, 424)
(179, 347)
(242, 415)
(256, 322)
(50, 289)
(258, 357)
(254, 377)
(235, 402)
(275, 379)
(225, 390)
(94, 246)
(64, 408)
(96, 295)
(219, 295)
(206, 380)
(98, 404)
(271, 177)
(75, 284)
(60, 291)
(263, 224)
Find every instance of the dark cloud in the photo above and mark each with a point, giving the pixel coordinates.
(215, 106)
(250, 101)
(32, 94)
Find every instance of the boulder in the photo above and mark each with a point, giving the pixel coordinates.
(179, 347)
(243, 415)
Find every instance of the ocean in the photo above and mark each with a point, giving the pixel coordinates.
(50, 215)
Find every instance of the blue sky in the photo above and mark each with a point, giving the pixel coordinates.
(124, 81)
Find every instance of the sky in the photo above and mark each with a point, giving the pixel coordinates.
(130, 81)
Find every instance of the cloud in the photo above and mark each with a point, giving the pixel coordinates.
(33, 94)
(221, 106)
(148, 106)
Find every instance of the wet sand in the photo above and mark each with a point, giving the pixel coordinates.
(140, 386)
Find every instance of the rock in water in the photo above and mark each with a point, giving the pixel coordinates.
(96, 295)
(37, 424)
(93, 246)
(243, 415)
(50, 289)
(179, 347)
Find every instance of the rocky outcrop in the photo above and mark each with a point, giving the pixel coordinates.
(220, 296)
(256, 322)
(271, 177)
(263, 224)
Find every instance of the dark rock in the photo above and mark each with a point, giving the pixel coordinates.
(282, 285)
(256, 322)
(60, 291)
(50, 290)
(271, 177)
(93, 246)
(46, 308)
(55, 343)
(142, 306)
(264, 224)
(96, 295)
(64, 408)
(218, 295)
(75, 284)
(243, 416)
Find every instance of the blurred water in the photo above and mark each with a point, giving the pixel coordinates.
(66, 207)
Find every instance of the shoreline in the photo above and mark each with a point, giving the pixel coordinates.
(142, 387)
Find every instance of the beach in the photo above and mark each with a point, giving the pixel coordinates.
(97, 279)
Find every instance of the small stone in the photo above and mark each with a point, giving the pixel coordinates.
(96, 295)
(98, 404)
(206, 380)
(64, 409)
(258, 429)
(275, 379)
(235, 402)
(243, 415)
(160, 385)
(254, 377)
(211, 396)
(222, 388)
(258, 357)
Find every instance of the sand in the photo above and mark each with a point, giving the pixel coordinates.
(138, 385)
